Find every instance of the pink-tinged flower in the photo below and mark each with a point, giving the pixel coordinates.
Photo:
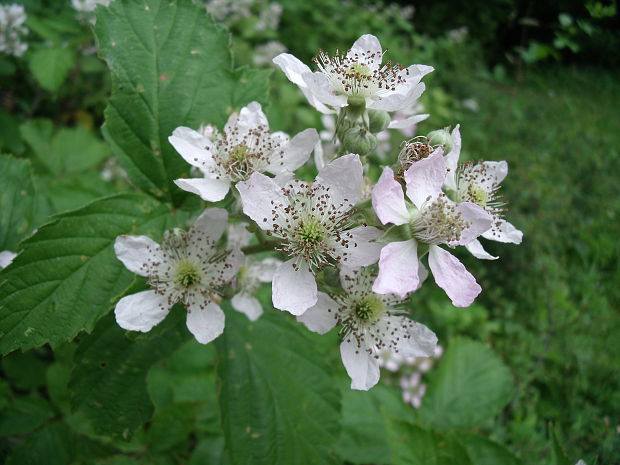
(313, 223)
(245, 146)
(188, 267)
(370, 323)
(480, 183)
(433, 219)
(251, 275)
(413, 389)
(357, 75)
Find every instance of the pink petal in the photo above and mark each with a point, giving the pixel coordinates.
(479, 221)
(388, 199)
(398, 269)
(452, 276)
(425, 177)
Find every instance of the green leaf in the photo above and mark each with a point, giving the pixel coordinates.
(172, 426)
(23, 415)
(470, 385)
(412, 445)
(50, 66)
(278, 404)
(171, 67)
(22, 206)
(25, 370)
(67, 275)
(108, 383)
(483, 451)
(364, 437)
(558, 454)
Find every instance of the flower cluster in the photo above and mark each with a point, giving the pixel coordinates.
(341, 250)
(12, 30)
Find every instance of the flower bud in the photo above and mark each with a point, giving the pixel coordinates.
(440, 137)
(359, 140)
(379, 120)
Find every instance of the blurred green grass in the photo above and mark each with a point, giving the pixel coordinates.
(552, 302)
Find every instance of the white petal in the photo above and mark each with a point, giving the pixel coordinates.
(238, 235)
(361, 366)
(479, 221)
(292, 67)
(415, 339)
(205, 322)
(265, 269)
(319, 86)
(209, 189)
(294, 290)
(367, 50)
(343, 178)
(360, 249)
(141, 311)
(252, 116)
(136, 251)
(212, 222)
(248, 305)
(192, 146)
(476, 249)
(425, 177)
(452, 276)
(388, 199)
(321, 317)
(452, 157)
(297, 151)
(496, 172)
(6, 257)
(400, 99)
(407, 122)
(504, 231)
(398, 269)
(259, 194)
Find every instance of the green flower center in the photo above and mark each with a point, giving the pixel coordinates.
(239, 153)
(360, 70)
(477, 195)
(186, 274)
(369, 309)
(311, 232)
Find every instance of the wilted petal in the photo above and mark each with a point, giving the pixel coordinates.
(205, 322)
(209, 189)
(141, 311)
(247, 304)
(259, 194)
(452, 276)
(321, 317)
(476, 249)
(425, 177)
(361, 366)
(136, 251)
(398, 269)
(294, 290)
(343, 178)
(503, 231)
(388, 199)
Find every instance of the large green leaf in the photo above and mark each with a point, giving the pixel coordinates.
(470, 385)
(279, 406)
(22, 206)
(108, 383)
(170, 67)
(412, 445)
(67, 275)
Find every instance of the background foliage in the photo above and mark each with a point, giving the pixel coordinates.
(530, 370)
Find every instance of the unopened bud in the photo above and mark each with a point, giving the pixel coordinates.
(359, 140)
(440, 137)
(379, 120)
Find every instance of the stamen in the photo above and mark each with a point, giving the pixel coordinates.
(439, 222)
